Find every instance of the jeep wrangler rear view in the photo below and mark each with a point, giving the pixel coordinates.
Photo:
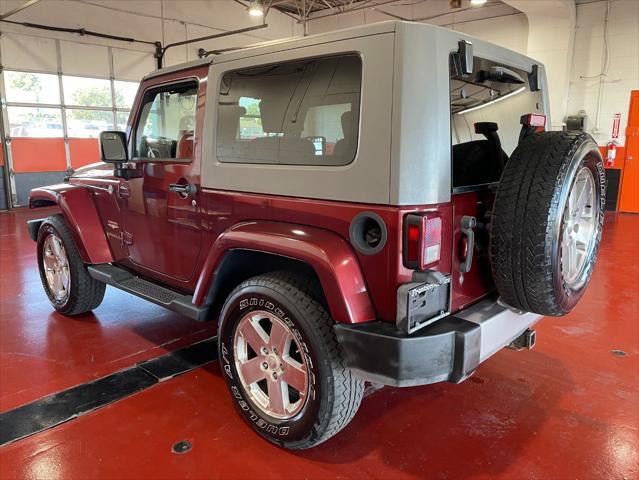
(376, 204)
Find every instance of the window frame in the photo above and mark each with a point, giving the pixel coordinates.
(356, 136)
(138, 107)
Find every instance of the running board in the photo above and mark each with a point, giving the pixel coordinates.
(124, 280)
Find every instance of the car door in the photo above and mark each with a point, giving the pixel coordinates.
(161, 207)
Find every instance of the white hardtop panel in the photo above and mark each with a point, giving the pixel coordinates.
(365, 179)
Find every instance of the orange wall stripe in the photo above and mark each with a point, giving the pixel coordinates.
(83, 151)
(38, 155)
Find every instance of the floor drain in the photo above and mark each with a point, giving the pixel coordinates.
(618, 353)
(181, 447)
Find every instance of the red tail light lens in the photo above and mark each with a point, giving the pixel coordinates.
(422, 240)
(413, 234)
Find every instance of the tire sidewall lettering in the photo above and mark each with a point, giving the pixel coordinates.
(289, 429)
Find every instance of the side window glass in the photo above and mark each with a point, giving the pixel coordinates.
(294, 113)
(166, 126)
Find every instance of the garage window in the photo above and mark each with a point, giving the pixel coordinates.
(294, 113)
(35, 108)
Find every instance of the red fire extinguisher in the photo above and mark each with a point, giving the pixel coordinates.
(611, 153)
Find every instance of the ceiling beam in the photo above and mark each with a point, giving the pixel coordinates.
(25, 5)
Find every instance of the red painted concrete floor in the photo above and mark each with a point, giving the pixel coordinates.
(567, 409)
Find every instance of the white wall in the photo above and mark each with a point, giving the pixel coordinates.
(622, 74)
(34, 49)
(495, 22)
(551, 28)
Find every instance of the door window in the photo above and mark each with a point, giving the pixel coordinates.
(166, 126)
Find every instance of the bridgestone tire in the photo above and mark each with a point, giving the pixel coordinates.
(85, 293)
(529, 221)
(334, 394)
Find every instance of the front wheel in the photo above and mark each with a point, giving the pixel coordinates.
(282, 362)
(64, 276)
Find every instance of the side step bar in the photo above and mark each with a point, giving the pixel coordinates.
(124, 280)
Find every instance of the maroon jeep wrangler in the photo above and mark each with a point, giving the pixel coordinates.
(375, 204)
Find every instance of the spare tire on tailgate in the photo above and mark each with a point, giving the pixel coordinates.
(547, 221)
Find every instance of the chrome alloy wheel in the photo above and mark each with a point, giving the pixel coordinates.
(56, 267)
(270, 364)
(579, 229)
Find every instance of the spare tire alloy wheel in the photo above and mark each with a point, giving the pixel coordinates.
(547, 221)
(282, 363)
(579, 229)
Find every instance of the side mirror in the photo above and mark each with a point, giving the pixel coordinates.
(113, 147)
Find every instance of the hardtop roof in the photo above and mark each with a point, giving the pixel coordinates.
(286, 43)
(389, 26)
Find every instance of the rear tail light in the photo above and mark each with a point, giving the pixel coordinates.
(422, 240)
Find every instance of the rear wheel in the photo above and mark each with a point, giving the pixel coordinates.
(547, 221)
(282, 362)
(64, 276)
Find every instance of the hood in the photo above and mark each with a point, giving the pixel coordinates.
(99, 169)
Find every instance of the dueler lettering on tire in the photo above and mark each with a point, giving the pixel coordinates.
(282, 363)
(547, 221)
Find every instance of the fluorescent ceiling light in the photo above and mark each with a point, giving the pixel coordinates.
(499, 99)
(256, 9)
(477, 3)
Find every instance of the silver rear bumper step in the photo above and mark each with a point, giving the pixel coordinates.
(499, 324)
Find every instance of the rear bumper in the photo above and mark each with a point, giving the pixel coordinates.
(448, 350)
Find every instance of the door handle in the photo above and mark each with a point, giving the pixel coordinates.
(123, 191)
(184, 189)
(467, 225)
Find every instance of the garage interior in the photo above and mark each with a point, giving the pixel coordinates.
(569, 408)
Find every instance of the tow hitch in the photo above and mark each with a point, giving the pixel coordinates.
(525, 340)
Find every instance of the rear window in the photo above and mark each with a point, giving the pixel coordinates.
(294, 113)
(493, 94)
